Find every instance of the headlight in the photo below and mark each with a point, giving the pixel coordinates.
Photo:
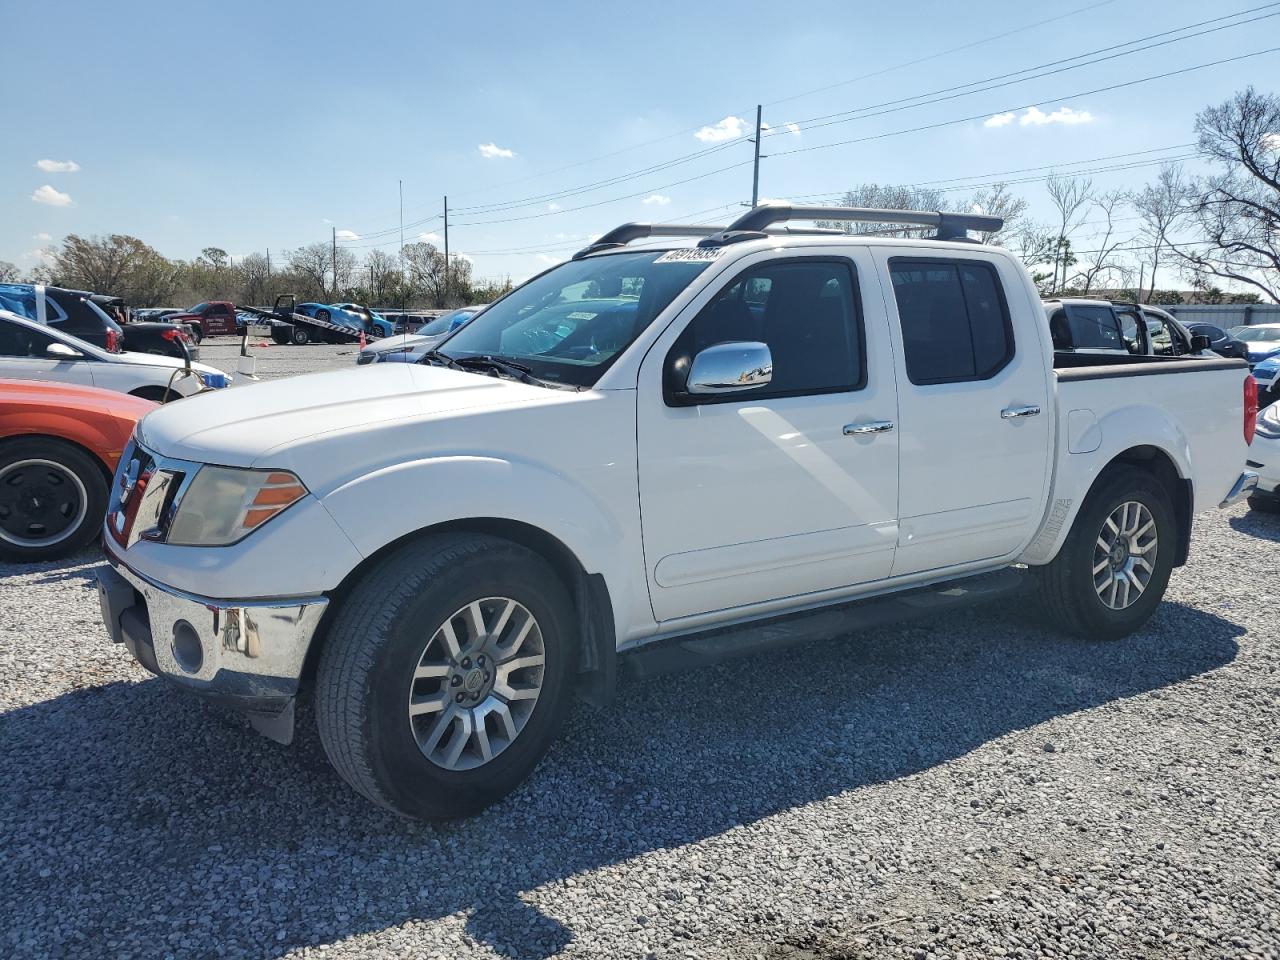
(1269, 421)
(226, 504)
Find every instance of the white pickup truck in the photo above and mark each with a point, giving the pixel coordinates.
(646, 456)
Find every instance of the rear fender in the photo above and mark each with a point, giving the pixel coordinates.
(1142, 431)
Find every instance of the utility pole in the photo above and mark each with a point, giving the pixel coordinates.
(335, 262)
(268, 261)
(402, 218)
(446, 251)
(755, 170)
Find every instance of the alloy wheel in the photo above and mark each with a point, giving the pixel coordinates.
(1124, 555)
(477, 683)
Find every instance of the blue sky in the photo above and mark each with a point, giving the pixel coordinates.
(263, 125)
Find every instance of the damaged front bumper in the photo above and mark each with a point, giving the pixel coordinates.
(247, 655)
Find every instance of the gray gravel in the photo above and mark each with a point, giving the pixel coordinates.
(970, 787)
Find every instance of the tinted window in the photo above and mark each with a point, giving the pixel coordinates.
(955, 324)
(1093, 328)
(1207, 330)
(19, 341)
(806, 311)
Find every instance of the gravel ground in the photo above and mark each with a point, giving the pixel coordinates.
(970, 787)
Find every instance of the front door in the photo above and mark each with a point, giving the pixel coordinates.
(786, 489)
(23, 357)
(976, 420)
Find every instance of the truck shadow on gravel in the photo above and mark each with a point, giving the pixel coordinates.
(138, 820)
(1263, 526)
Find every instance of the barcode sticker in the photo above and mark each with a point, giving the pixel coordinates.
(691, 255)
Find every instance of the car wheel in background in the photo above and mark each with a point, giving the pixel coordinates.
(446, 674)
(322, 314)
(1113, 568)
(1264, 504)
(53, 497)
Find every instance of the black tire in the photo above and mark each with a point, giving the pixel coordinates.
(1265, 504)
(79, 472)
(300, 336)
(375, 641)
(197, 333)
(1068, 597)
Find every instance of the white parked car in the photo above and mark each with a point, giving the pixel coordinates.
(650, 456)
(1264, 457)
(34, 351)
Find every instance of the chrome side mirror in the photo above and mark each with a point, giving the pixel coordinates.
(60, 351)
(732, 367)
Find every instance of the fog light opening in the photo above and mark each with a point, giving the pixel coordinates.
(187, 650)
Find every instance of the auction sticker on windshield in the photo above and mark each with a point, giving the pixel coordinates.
(691, 255)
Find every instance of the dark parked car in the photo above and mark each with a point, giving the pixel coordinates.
(1220, 342)
(89, 317)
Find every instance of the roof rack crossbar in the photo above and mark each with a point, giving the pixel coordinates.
(624, 234)
(950, 226)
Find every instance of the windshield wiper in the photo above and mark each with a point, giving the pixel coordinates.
(437, 359)
(500, 365)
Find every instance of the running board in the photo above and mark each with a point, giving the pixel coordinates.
(701, 649)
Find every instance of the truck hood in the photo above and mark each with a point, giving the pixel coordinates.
(239, 428)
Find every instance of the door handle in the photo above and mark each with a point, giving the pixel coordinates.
(861, 429)
(1016, 413)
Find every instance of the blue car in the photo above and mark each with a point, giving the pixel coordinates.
(1262, 340)
(348, 315)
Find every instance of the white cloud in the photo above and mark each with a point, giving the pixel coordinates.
(793, 129)
(1035, 117)
(429, 238)
(347, 235)
(40, 256)
(326, 221)
(53, 198)
(553, 206)
(727, 129)
(41, 236)
(491, 150)
(1271, 141)
(656, 200)
(1064, 115)
(548, 259)
(58, 166)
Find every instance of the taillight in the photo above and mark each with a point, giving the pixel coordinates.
(169, 334)
(1250, 407)
(113, 342)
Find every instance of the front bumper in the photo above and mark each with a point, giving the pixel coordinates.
(247, 655)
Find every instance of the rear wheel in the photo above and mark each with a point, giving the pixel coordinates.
(300, 336)
(446, 674)
(1114, 566)
(197, 333)
(53, 497)
(323, 315)
(155, 394)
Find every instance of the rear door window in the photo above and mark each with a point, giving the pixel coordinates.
(955, 320)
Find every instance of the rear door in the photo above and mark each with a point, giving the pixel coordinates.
(788, 489)
(974, 412)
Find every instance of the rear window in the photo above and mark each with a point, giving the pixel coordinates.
(955, 322)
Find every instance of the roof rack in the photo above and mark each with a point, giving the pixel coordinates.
(950, 226)
(621, 236)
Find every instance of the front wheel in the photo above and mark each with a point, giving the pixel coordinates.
(53, 497)
(1113, 568)
(446, 674)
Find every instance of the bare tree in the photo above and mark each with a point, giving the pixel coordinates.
(118, 264)
(888, 196)
(253, 279)
(1237, 210)
(1070, 197)
(1104, 261)
(1160, 206)
(998, 201)
(311, 266)
(9, 272)
(384, 275)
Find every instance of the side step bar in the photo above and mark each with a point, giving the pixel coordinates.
(702, 649)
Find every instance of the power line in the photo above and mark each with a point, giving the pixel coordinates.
(1026, 106)
(846, 115)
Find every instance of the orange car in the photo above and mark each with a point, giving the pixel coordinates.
(59, 446)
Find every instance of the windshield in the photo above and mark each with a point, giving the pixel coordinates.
(1256, 333)
(109, 321)
(569, 324)
(198, 307)
(443, 323)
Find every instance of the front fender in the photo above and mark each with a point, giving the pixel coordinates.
(383, 506)
(1119, 430)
